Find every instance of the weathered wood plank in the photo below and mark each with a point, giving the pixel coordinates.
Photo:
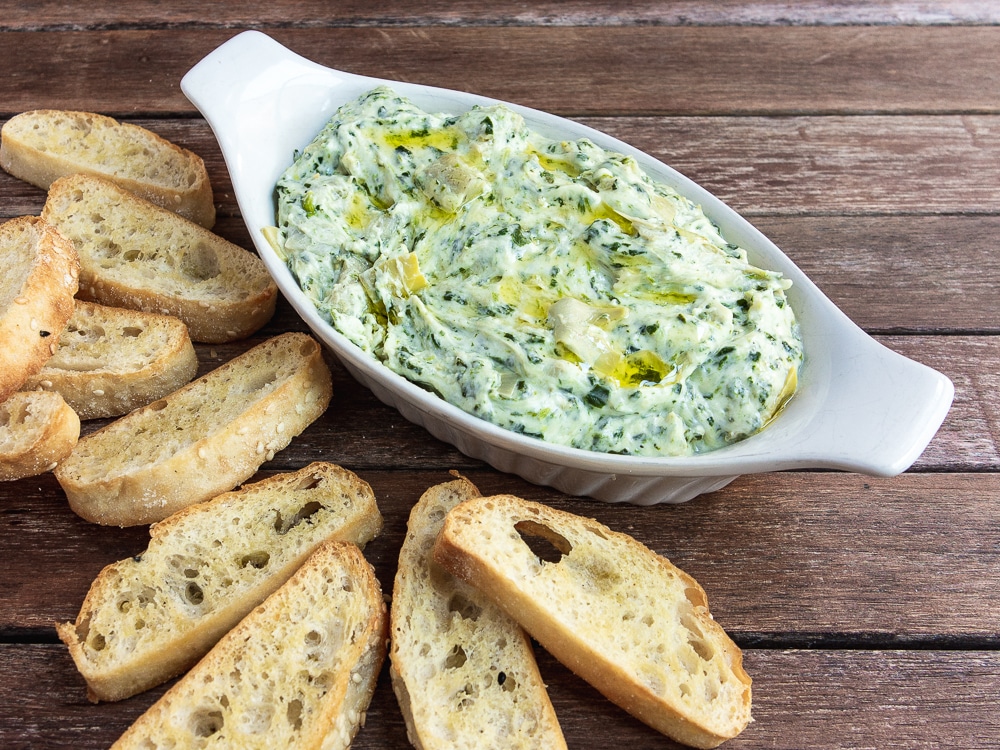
(820, 558)
(857, 166)
(969, 439)
(306, 13)
(899, 273)
(889, 274)
(970, 435)
(830, 165)
(363, 433)
(873, 700)
(572, 70)
(819, 699)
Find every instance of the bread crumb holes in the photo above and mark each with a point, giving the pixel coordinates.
(547, 545)
(456, 658)
(467, 609)
(206, 722)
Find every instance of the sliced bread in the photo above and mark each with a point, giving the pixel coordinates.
(110, 360)
(43, 145)
(617, 614)
(298, 672)
(200, 440)
(39, 273)
(137, 255)
(37, 431)
(152, 616)
(462, 670)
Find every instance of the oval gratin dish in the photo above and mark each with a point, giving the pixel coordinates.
(860, 406)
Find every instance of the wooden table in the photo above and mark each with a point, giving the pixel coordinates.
(864, 138)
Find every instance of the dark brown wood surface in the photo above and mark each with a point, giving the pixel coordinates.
(864, 138)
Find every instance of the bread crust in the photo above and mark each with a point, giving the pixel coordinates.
(170, 454)
(43, 145)
(37, 431)
(298, 671)
(41, 276)
(278, 522)
(137, 255)
(463, 672)
(576, 612)
(110, 360)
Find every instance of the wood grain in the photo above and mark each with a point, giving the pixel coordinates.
(891, 274)
(836, 699)
(830, 165)
(362, 433)
(304, 13)
(899, 274)
(574, 71)
(830, 558)
(818, 166)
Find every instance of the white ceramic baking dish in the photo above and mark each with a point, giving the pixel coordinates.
(860, 407)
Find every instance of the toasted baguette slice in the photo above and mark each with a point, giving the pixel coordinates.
(201, 440)
(43, 145)
(613, 611)
(462, 670)
(111, 360)
(152, 616)
(39, 272)
(298, 672)
(137, 255)
(37, 431)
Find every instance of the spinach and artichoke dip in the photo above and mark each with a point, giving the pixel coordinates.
(550, 287)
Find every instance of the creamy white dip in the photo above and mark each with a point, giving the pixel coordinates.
(550, 287)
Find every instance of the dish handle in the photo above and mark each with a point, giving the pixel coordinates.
(879, 410)
(225, 76)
